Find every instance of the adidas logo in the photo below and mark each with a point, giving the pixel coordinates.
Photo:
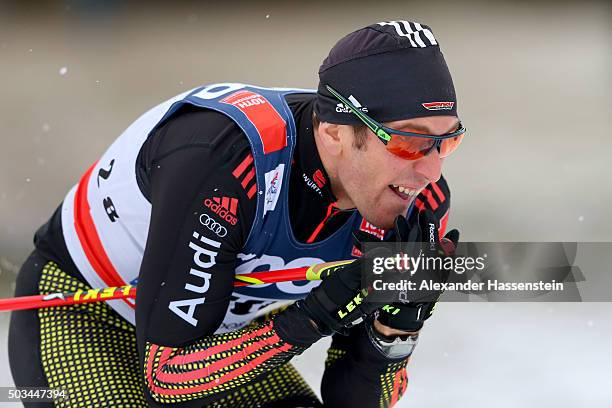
(224, 207)
(342, 108)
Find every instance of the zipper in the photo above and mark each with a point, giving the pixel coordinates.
(331, 211)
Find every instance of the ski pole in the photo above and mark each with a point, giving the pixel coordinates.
(313, 272)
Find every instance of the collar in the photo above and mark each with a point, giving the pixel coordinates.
(307, 163)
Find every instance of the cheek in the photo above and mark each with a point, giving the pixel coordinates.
(366, 171)
(387, 166)
(369, 177)
(355, 176)
(399, 168)
(389, 169)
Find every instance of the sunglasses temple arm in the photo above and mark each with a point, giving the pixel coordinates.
(373, 126)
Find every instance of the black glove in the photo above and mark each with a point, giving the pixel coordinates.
(339, 301)
(422, 227)
(336, 304)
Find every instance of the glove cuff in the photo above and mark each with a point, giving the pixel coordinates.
(410, 318)
(295, 327)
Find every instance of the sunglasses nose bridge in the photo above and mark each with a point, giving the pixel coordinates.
(438, 145)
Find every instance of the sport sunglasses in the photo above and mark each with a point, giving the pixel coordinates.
(407, 145)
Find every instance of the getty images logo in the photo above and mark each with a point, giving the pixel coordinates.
(342, 108)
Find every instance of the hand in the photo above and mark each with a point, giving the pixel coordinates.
(423, 227)
(339, 301)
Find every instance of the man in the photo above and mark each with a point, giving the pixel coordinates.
(227, 179)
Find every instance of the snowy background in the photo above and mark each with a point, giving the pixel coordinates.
(533, 82)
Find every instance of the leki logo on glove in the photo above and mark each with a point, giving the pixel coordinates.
(434, 106)
(353, 304)
(224, 207)
(392, 310)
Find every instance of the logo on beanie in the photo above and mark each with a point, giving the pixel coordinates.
(417, 35)
(434, 106)
(342, 108)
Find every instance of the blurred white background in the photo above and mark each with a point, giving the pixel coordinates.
(533, 82)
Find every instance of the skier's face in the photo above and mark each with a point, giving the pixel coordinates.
(381, 185)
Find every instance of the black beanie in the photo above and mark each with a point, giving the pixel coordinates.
(391, 70)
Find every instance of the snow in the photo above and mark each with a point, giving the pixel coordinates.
(503, 355)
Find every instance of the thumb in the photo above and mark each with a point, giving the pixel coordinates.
(450, 241)
(453, 236)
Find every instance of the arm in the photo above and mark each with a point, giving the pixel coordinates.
(356, 373)
(187, 272)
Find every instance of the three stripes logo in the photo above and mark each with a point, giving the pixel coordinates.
(419, 36)
(431, 197)
(342, 108)
(245, 173)
(434, 197)
(224, 207)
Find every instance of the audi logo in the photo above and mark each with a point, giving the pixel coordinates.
(207, 221)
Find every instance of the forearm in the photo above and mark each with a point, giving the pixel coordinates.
(356, 374)
(208, 368)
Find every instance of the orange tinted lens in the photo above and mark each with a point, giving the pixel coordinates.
(449, 145)
(410, 148)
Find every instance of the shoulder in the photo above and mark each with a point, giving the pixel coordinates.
(193, 145)
(193, 126)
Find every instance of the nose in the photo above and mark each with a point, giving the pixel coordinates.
(429, 166)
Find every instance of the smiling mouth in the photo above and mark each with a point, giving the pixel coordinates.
(404, 193)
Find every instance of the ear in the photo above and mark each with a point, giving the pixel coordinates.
(328, 135)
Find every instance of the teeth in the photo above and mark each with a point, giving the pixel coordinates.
(405, 190)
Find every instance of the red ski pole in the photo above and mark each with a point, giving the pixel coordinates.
(314, 272)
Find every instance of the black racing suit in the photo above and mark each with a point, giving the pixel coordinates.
(195, 155)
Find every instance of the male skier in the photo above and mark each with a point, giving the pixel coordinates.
(229, 179)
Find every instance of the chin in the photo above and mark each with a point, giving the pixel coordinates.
(385, 218)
